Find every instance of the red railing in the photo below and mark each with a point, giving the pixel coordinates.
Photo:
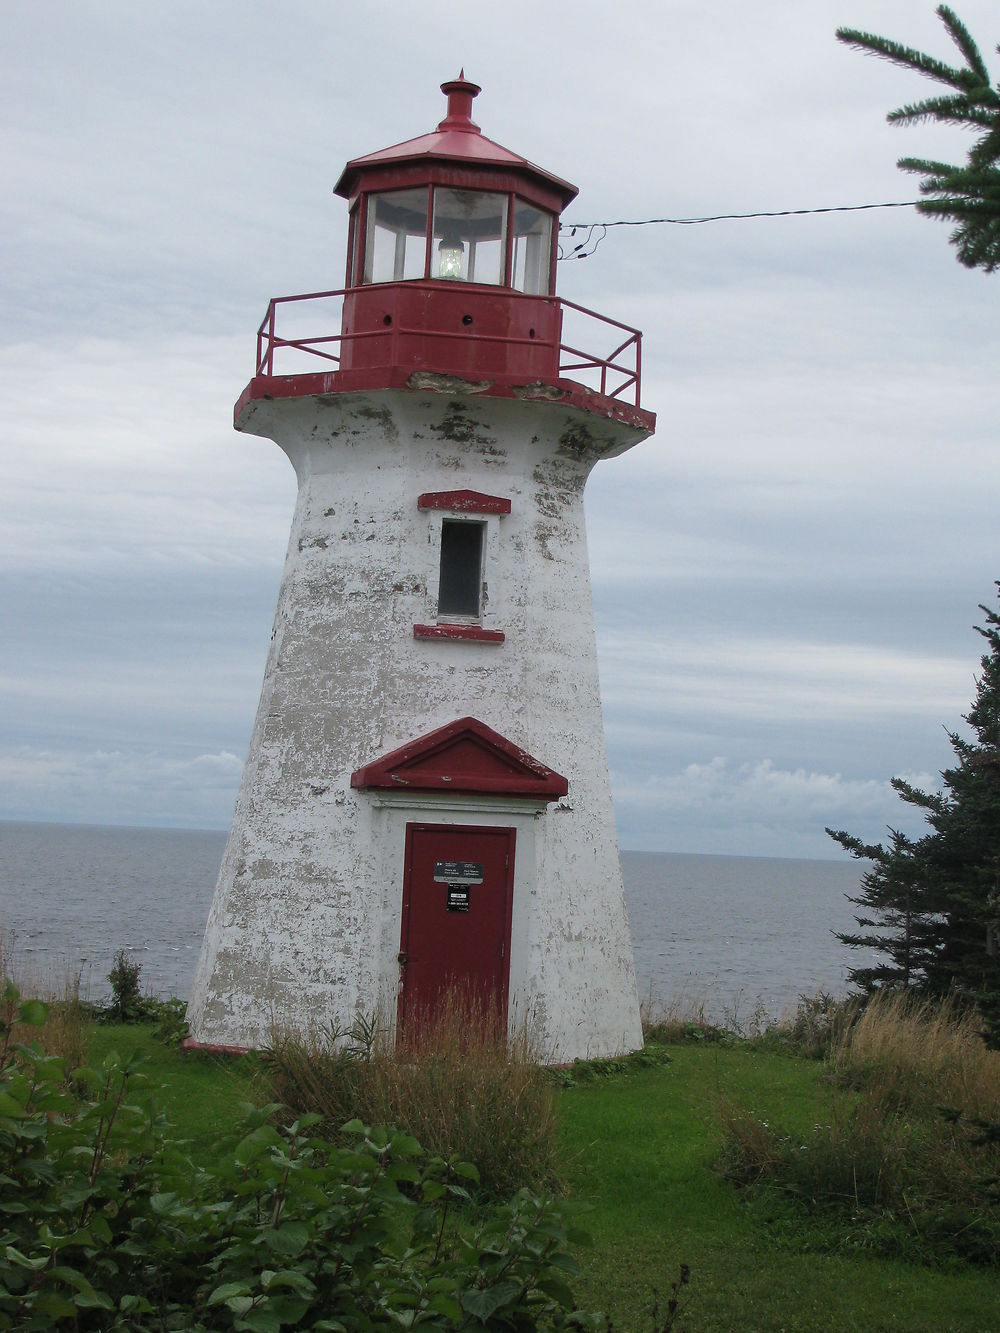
(615, 373)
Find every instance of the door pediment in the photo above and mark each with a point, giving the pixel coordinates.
(463, 756)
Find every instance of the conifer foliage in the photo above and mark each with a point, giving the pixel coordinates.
(931, 905)
(968, 195)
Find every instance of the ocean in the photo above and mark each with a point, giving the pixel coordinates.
(732, 934)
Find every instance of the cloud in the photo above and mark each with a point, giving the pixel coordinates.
(782, 679)
(743, 808)
(137, 786)
(134, 464)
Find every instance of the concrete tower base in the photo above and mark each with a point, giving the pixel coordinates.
(309, 917)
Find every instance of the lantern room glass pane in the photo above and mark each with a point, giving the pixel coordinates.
(352, 246)
(396, 236)
(531, 266)
(470, 236)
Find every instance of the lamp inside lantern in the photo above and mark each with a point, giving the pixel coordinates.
(451, 253)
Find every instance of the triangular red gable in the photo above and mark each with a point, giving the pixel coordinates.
(465, 756)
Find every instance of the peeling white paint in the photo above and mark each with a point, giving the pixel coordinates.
(305, 924)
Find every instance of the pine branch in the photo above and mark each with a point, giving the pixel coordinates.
(961, 110)
(970, 195)
(914, 796)
(905, 56)
(962, 38)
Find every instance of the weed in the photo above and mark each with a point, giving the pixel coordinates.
(63, 1031)
(920, 1054)
(678, 1022)
(586, 1071)
(816, 1024)
(457, 1085)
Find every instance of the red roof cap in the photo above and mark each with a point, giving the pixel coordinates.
(460, 94)
(457, 140)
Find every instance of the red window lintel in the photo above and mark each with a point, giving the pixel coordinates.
(464, 502)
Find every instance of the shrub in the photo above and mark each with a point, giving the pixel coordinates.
(910, 1160)
(458, 1086)
(107, 1223)
(126, 1004)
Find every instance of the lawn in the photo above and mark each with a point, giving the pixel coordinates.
(640, 1151)
(643, 1151)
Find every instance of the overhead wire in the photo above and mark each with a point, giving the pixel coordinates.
(595, 232)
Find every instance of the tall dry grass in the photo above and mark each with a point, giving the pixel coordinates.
(65, 1030)
(920, 1053)
(462, 1088)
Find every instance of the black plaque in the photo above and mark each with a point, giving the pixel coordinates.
(458, 898)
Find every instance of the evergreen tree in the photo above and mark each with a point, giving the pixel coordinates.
(970, 194)
(898, 917)
(933, 905)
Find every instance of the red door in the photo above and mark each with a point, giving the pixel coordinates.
(457, 897)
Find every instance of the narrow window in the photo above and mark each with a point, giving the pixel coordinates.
(460, 582)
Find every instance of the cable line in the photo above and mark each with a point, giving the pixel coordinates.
(596, 231)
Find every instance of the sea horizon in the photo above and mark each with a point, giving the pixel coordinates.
(224, 828)
(732, 932)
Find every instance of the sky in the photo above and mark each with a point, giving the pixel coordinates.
(786, 575)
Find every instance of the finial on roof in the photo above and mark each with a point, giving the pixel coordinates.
(460, 93)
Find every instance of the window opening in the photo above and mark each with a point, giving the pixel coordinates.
(461, 575)
(396, 236)
(469, 236)
(532, 250)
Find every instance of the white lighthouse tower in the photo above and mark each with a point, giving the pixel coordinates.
(425, 802)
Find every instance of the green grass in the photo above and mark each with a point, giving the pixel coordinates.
(200, 1093)
(641, 1149)
(642, 1152)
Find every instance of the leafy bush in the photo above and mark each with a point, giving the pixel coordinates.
(459, 1086)
(106, 1223)
(910, 1161)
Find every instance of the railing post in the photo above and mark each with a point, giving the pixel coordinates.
(638, 367)
(270, 338)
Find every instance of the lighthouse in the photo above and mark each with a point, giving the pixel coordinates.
(425, 805)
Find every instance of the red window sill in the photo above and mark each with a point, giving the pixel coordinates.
(475, 633)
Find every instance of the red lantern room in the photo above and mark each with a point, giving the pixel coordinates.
(451, 271)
